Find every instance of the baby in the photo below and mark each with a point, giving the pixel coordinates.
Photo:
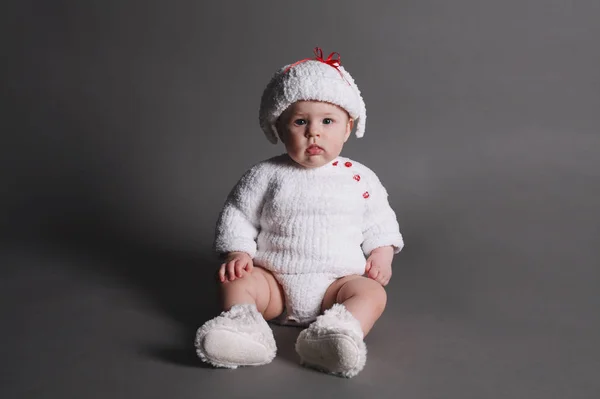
(307, 237)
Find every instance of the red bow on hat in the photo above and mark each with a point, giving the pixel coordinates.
(333, 62)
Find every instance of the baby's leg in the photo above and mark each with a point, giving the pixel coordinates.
(363, 297)
(260, 288)
(335, 341)
(240, 336)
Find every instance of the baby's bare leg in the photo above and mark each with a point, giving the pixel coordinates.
(258, 287)
(363, 297)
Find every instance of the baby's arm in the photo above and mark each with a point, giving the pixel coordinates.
(239, 223)
(381, 233)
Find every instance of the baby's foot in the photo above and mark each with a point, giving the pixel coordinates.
(238, 337)
(333, 343)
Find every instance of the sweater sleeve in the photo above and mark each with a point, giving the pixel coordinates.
(238, 224)
(380, 227)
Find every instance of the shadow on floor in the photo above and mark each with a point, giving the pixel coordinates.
(177, 283)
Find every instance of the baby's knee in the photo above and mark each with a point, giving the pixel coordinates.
(255, 284)
(369, 290)
(248, 282)
(376, 294)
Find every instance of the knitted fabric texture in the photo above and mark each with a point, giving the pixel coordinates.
(310, 80)
(296, 220)
(304, 293)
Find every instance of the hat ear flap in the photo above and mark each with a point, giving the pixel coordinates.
(272, 133)
(360, 126)
(361, 120)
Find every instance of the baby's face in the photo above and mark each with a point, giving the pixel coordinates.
(314, 132)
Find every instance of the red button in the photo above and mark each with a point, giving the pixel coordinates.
(348, 164)
(335, 163)
(366, 194)
(357, 177)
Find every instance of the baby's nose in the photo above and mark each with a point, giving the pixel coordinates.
(313, 131)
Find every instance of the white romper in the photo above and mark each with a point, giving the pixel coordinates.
(309, 227)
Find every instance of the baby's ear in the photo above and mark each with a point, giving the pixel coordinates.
(349, 127)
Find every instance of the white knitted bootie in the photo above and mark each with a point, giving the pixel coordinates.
(333, 343)
(238, 337)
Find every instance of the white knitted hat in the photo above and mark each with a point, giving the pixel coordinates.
(314, 79)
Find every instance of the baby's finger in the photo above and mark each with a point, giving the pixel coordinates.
(249, 266)
(221, 273)
(368, 266)
(231, 270)
(239, 268)
(374, 273)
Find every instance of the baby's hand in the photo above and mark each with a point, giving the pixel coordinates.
(237, 265)
(379, 265)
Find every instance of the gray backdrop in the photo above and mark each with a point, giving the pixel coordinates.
(126, 123)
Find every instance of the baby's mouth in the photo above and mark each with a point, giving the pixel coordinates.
(314, 149)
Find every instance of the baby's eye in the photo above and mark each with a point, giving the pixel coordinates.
(327, 121)
(300, 122)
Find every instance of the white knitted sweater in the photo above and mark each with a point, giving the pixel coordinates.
(292, 219)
